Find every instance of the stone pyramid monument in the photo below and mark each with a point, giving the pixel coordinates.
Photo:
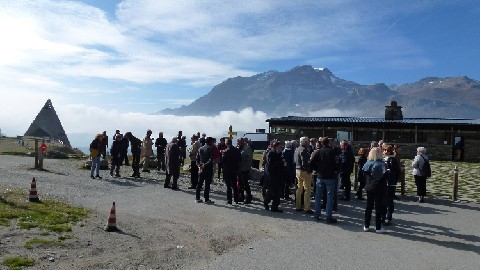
(47, 124)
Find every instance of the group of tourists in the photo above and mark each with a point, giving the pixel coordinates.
(206, 157)
(330, 167)
(305, 164)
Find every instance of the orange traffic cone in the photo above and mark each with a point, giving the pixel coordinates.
(33, 197)
(112, 221)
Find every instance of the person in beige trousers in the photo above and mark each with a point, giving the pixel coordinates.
(147, 151)
(304, 176)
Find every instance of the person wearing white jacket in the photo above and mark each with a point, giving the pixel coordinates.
(420, 180)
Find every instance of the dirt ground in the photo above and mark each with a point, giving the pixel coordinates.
(160, 228)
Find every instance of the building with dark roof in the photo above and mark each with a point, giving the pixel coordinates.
(444, 138)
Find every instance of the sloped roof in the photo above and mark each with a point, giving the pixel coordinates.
(448, 121)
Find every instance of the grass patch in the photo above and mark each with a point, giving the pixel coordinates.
(14, 263)
(4, 222)
(36, 242)
(49, 215)
(65, 237)
(441, 182)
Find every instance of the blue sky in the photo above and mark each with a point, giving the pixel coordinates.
(109, 64)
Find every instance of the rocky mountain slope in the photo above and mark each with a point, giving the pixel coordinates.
(307, 91)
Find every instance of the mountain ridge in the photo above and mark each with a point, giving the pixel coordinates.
(304, 90)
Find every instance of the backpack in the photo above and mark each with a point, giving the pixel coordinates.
(425, 170)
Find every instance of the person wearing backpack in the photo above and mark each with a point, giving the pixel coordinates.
(375, 171)
(393, 173)
(421, 170)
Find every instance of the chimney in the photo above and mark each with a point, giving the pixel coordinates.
(393, 112)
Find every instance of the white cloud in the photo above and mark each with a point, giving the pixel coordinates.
(81, 119)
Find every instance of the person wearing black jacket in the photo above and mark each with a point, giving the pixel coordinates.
(323, 160)
(161, 144)
(104, 144)
(363, 153)
(116, 154)
(347, 162)
(172, 164)
(231, 163)
(274, 178)
(136, 147)
(125, 151)
(205, 169)
(393, 173)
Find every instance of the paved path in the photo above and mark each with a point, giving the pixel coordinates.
(434, 235)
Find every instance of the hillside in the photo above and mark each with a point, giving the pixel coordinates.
(305, 90)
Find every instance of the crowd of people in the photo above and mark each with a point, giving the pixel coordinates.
(305, 164)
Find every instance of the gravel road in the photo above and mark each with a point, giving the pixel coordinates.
(165, 229)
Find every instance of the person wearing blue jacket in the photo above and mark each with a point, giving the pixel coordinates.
(375, 171)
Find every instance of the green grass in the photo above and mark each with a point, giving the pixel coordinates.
(65, 237)
(14, 263)
(441, 182)
(50, 215)
(36, 242)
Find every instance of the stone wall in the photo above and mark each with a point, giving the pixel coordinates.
(409, 151)
(472, 150)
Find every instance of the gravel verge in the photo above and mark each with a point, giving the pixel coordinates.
(160, 228)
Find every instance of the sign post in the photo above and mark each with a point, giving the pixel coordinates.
(41, 155)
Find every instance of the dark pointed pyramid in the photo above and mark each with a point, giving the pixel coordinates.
(47, 124)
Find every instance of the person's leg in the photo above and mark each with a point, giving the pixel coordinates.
(368, 210)
(201, 179)
(298, 194)
(168, 176)
(335, 193)
(146, 160)
(268, 197)
(208, 181)
(241, 192)
(379, 196)
(112, 166)
(391, 204)
(176, 175)
(97, 166)
(219, 169)
(162, 161)
(324, 196)
(125, 156)
(193, 174)
(331, 187)
(307, 186)
(276, 197)
(361, 181)
(318, 198)
(423, 181)
(92, 168)
(347, 185)
(246, 184)
(117, 169)
(228, 181)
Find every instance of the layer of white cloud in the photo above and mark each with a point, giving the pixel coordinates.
(82, 122)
